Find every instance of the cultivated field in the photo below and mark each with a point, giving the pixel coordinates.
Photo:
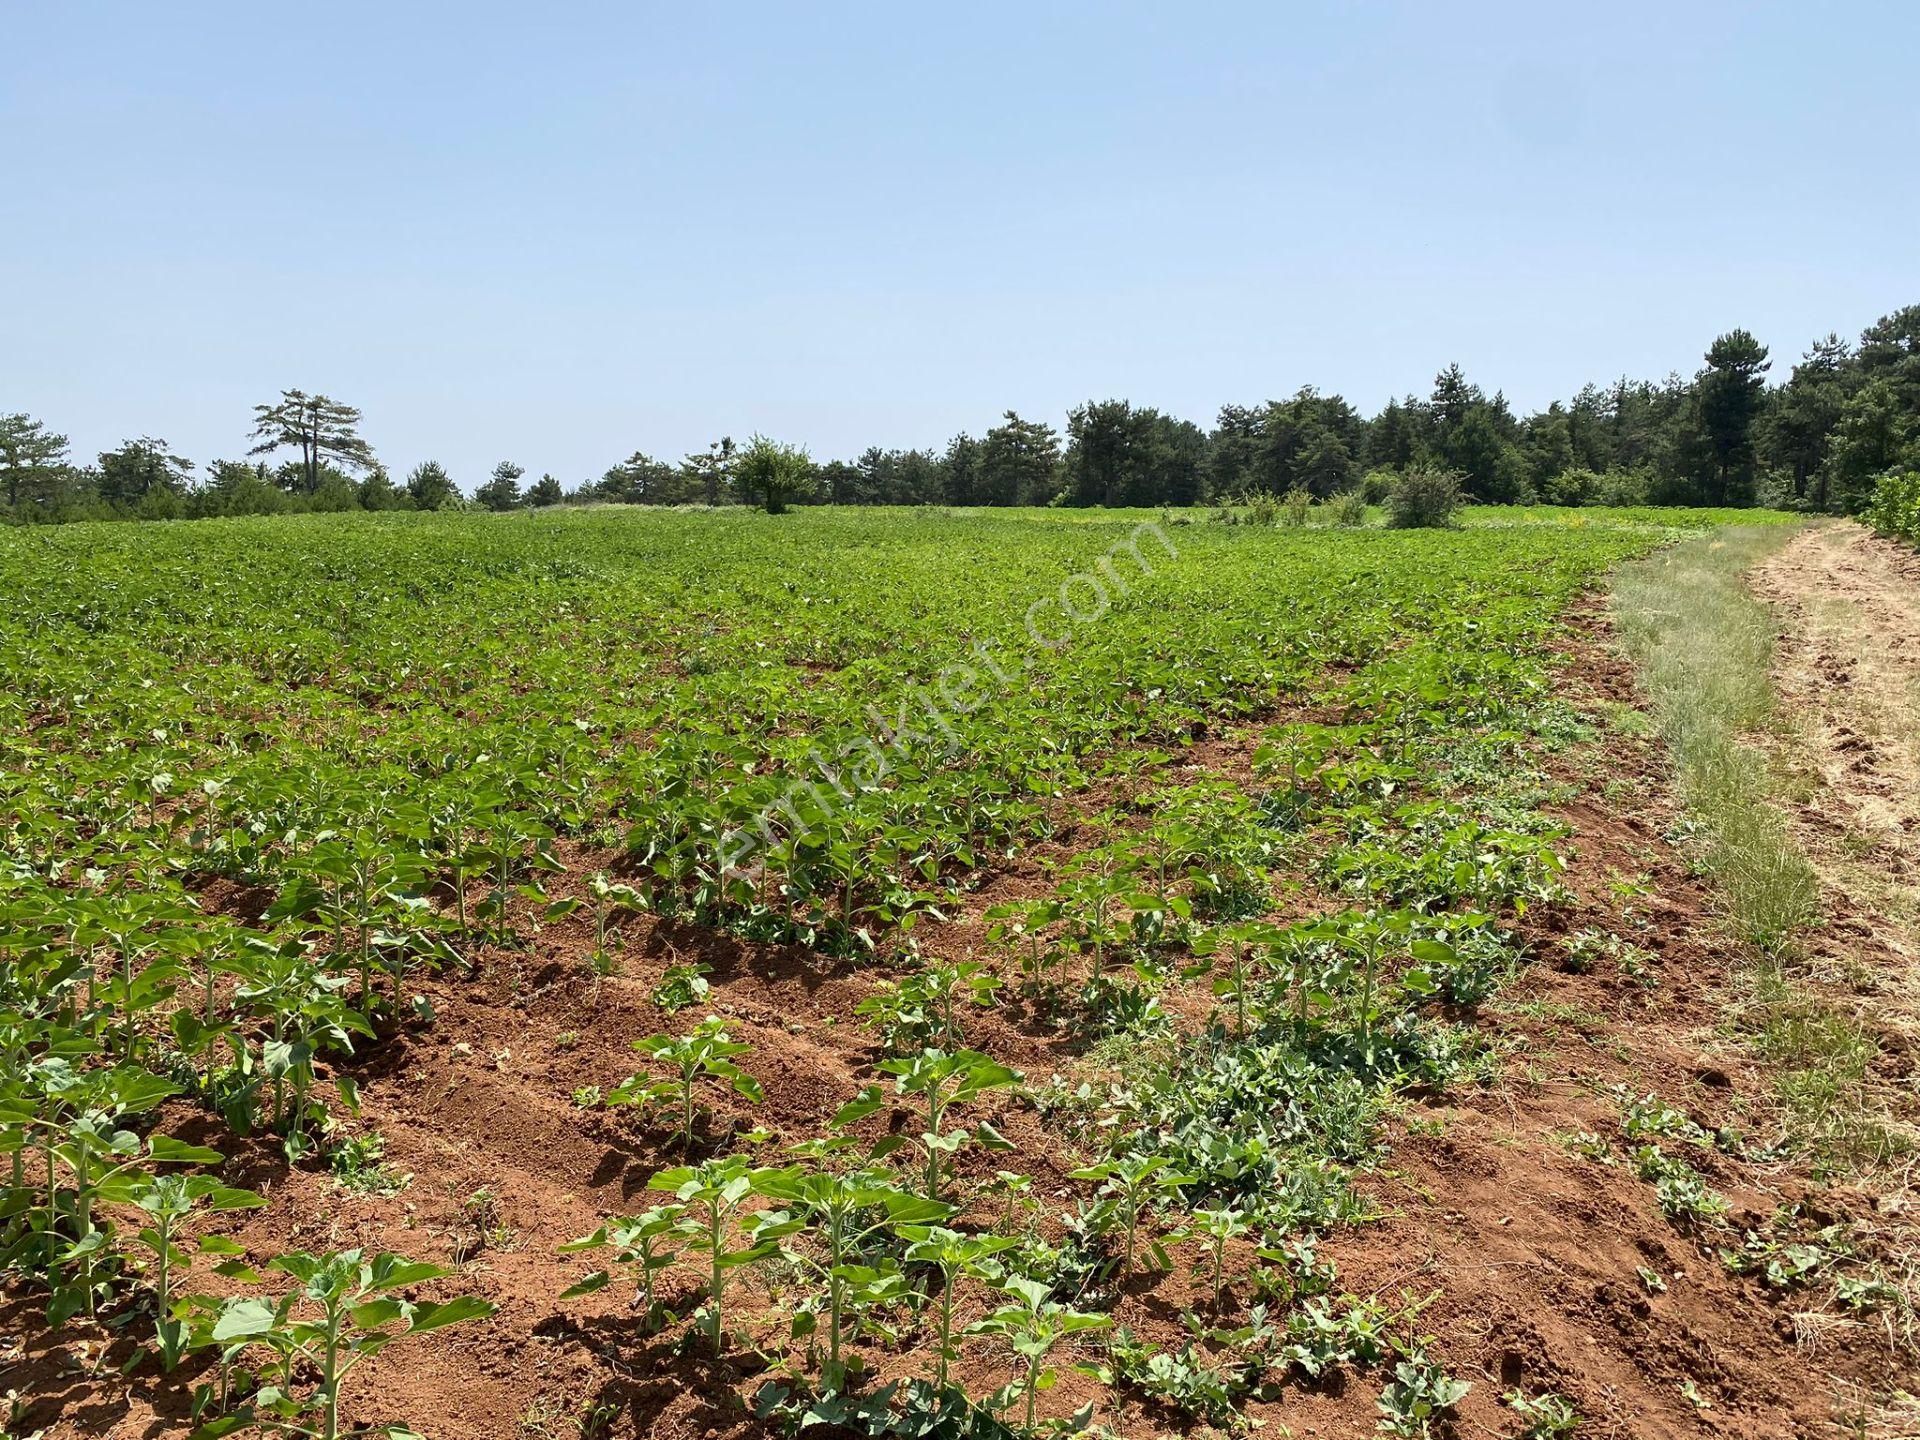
(962, 973)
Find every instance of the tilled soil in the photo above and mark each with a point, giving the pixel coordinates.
(1520, 1254)
(1848, 672)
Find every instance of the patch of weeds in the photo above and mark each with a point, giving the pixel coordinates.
(1078, 1269)
(1636, 964)
(1704, 645)
(1651, 1118)
(1548, 1416)
(1825, 1059)
(1781, 1264)
(1626, 889)
(359, 1167)
(1116, 1008)
(548, 1418)
(905, 1408)
(1419, 1397)
(1683, 1193)
(1584, 948)
(682, 985)
(1868, 1292)
(1790, 1257)
(1321, 1337)
(1184, 1379)
(1298, 1273)
(1483, 959)
(1587, 948)
(1626, 719)
(1586, 1145)
(1556, 1012)
(482, 1211)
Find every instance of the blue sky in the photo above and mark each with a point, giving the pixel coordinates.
(560, 233)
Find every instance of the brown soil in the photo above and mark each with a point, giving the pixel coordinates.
(1523, 1253)
(1848, 671)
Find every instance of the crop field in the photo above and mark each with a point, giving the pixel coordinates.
(614, 972)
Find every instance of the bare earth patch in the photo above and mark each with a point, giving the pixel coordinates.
(1847, 670)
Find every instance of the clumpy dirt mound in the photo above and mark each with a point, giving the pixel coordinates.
(1847, 670)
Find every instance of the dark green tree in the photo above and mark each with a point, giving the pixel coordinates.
(336, 493)
(235, 487)
(1490, 467)
(894, 477)
(1393, 440)
(1730, 392)
(378, 492)
(1453, 395)
(772, 473)
(501, 491)
(1801, 415)
(430, 487)
(322, 429)
(1101, 459)
(711, 473)
(544, 492)
(1587, 429)
(1308, 443)
(1018, 464)
(1547, 445)
(641, 480)
(839, 482)
(1890, 348)
(141, 469)
(1875, 433)
(962, 466)
(29, 456)
(1233, 451)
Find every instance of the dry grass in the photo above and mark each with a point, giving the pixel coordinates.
(1704, 646)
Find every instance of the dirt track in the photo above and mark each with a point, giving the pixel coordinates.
(1847, 671)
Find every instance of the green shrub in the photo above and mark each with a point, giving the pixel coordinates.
(1895, 507)
(1293, 509)
(1578, 486)
(1348, 508)
(1624, 487)
(1424, 499)
(1378, 485)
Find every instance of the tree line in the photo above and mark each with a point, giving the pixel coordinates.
(1731, 434)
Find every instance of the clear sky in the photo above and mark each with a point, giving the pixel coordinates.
(558, 233)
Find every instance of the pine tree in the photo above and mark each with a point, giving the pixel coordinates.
(430, 487)
(502, 490)
(28, 455)
(322, 429)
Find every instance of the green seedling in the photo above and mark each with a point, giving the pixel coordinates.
(643, 1245)
(707, 1053)
(343, 1308)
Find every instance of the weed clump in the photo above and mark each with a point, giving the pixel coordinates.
(1424, 499)
(1348, 509)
